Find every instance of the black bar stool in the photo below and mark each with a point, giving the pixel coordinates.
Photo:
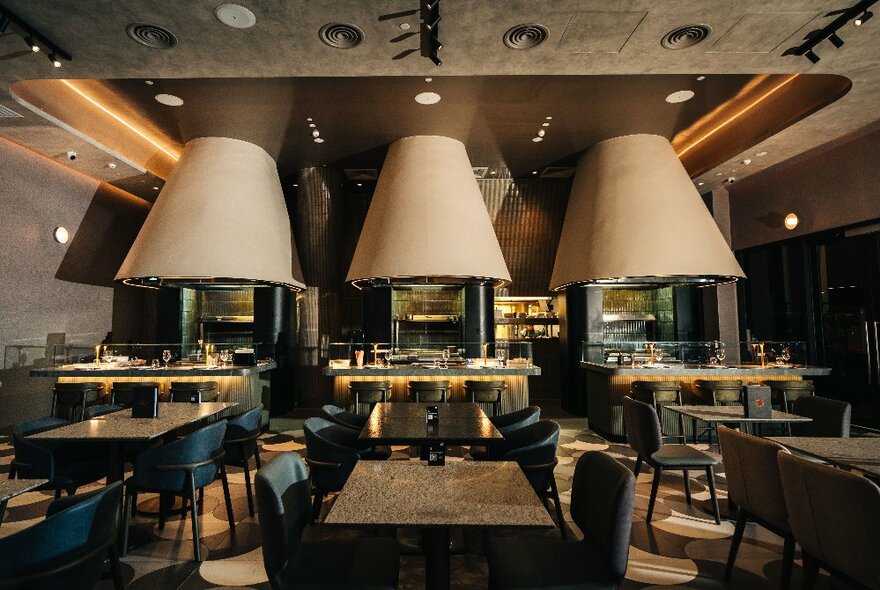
(783, 392)
(120, 394)
(184, 391)
(718, 392)
(369, 392)
(429, 391)
(485, 392)
(659, 394)
(74, 398)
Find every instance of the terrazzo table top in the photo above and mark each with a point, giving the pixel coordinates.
(468, 494)
(862, 453)
(121, 427)
(172, 371)
(404, 423)
(732, 414)
(705, 370)
(10, 488)
(423, 371)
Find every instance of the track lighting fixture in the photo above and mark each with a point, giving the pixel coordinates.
(32, 44)
(835, 40)
(858, 14)
(35, 40)
(859, 21)
(55, 61)
(431, 44)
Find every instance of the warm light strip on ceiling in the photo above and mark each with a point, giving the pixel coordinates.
(171, 154)
(682, 151)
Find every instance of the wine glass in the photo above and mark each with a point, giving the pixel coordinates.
(166, 356)
(785, 354)
(500, 355)
(224, 356)
(446, 358)
(720, 354)
(658, 353)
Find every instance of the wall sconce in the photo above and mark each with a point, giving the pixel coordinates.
(791, 221)
(60, 234)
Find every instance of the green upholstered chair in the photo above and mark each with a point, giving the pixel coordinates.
(783, 392)
(71, 399)
(183, 391)
(429, 391)
(485, 392)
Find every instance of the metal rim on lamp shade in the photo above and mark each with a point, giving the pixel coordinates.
(220, 221)
(635, 219)
(427, 221)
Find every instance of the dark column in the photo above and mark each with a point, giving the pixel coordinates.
(274, 326)
(479, 318)
(580, 320)
(377, 314)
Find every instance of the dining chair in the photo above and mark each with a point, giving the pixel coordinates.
(834, 515)
(645, 438)
(831, 417)
(428, 391)
(602, 496)
(68, 548)
(369, 392)
(485, 392)
(180, 468)
(331, 454)
(506, 424)
(533, 447)
(240, 444)
(99, 410)
(67, 466)
(343, 417)
(70, 397)
(754, 485)
(283, 490)
(122, 391)
(185, 391)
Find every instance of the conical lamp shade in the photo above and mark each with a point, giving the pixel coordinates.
(635, 218)
(219, 221)
(427, 220)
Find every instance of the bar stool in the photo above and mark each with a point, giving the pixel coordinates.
(718, 392)
(429, 391)
(75, 396)
(184, 391)
(485, 392)
(120, 394)
(783, 392)
(659, 394)
(369, 392)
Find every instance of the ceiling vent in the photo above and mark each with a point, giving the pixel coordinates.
(7, 113)
(480, 171)
(361, 173)
(526, 36)
(686, 36)
(340, 35)
(153, 36)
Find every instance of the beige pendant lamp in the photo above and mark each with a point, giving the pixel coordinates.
(220, 221)
(635, 218)
(427, 221)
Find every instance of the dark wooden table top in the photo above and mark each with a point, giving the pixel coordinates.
(481, 494)
(121, 427)
(404, 423)
(732, 414)
(862, 453)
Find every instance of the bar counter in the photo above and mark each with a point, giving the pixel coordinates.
(515, 398)
(241, 384)
(607, 384)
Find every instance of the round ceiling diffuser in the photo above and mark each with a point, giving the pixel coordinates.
(525, 36)
(341, 35)
(685, 36)
(154, 36)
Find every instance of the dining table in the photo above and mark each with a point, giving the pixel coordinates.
(857, 454)
(10, 488)
(715, 415)
(485, 495)
(460, 423)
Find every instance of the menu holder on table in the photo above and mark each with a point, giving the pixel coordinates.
(432, 415)
(145, 402)
(437, 453)
(757, 401)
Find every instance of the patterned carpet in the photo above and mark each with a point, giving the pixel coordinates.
(682, 548)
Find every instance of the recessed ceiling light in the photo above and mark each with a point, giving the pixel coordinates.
(491, 172)
(148, 82)
(318, 140)
(534, 171)
(155, 188)
(295, 185)
(700, 183)
(545, 124)
(680, 96)
(308, 118)
(549, 118)
(746, 162)
(700, 78)
(429, 79)
(312, 125)
(169, 100)
(360, 184)
(405, 26)
(427, 98)
(235, 16)
(761, 154)
(537, 139)
(791, 221)
(61, 234)
(541, 133)
(315, 133)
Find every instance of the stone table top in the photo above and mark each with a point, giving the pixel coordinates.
(469, 494)
(10, 488)
(861, 453)
(121, 427)
(732, 414)
(460, 423)
(430, 371)
(88, 370)
(705, 370)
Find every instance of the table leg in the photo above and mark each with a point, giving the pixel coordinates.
(436, 545)
(694, 426)
(2, 510)
(115, 462)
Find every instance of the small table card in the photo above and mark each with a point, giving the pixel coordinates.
(757, 401)
(145, 402)
(432, 415)
(437, 453)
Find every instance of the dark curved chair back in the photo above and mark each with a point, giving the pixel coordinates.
(334, 447)
(513, 421)
(642, 427)
(283, 499)
(99, 410)
(68, 549)
(485, 392)
(369, 392)
(831, 417)
(181, 391)
(533, 447)
(33, 460)
(834, 515)
(245, 426)
(650, 392)
(201, 445)
(602, 495)
(752, 473)
(428, 391)
(343, 417)
(121, 392)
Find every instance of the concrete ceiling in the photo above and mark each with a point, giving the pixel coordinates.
(585, 39)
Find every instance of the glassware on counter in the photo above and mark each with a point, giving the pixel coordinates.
(166, 356)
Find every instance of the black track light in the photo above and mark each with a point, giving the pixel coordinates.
(811, 55)
(835, 40)
(430, 6)
(860, 20)
(36, 41)
(432, 26)
(436, 59)
(32, 44)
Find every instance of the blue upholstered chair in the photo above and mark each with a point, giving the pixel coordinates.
(68, 549)
(240, 445)
(332, 452)
(343, 417)
(179, 469)
(602, 495)
(506, 425)
(66, 466)
(283, 489)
